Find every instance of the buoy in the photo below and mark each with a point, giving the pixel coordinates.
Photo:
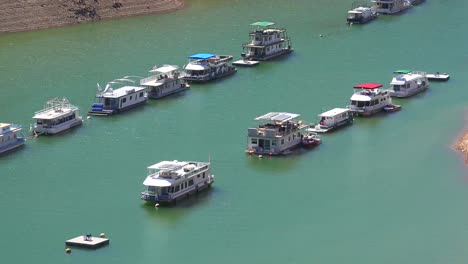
(88, 117)
(68, 250)
(320, 35)
(270, 154)
(156, 205)
(260, 156)
(250, 152)
(102, 235)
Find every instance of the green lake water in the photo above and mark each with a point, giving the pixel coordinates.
(388, 189)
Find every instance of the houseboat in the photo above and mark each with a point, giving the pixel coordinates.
(266, 42)
(361, 15)
(391, 6)
(408, 83)
(170, 181)
(165, 81)
(368, 99)
(277, 135)
(203, 67)
(311, 139)
(10, 137)
(110, 101)
(332, 119)
(58, 115)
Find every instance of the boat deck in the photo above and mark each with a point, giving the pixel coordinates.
(246, 63)
(93, 242)
(438, 76)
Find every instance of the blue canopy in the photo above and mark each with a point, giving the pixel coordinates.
(202, 56)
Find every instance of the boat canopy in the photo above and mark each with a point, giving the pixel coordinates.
(202, 56)
(157, 182)
(263, 24)
(278, 117)
(334, 112)
(164, 69)
(402, 72)
(369, 86)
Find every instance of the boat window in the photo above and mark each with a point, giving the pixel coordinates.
(131, 97)
(273, 142)
(198, 176)
(203, 175)
(360, 103)
(124, 100)
(185, 184)
(294, 136)
(177, 188)
(141, 94)
(289, 138)
(282, 141)
(254, 141)
(353, 102)
(190, 182)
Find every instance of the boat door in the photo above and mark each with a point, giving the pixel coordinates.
(265, 144)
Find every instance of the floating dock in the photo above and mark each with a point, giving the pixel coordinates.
(87, 242)
(246, 63)
(438, 76)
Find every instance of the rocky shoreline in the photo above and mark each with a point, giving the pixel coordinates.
(27, 15)
(462, 146)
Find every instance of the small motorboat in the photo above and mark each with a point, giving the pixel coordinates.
(392, 108)
(438, 76)
(311, 139)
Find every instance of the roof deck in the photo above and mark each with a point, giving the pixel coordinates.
(278, 116)
(334, 112)
(55, 108)
(117, 93)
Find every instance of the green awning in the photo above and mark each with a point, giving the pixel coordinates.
(263, 24)
(402, 71)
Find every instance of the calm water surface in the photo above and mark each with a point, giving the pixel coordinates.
(388, 189)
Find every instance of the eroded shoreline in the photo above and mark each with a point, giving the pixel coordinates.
(28, 15)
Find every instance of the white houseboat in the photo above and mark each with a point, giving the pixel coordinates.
(332, 119)
(203, 67)
(58, 115)
(361, 15)
(369, 99)
(169, 181)
(10, 137)
(165, 81)
(391, 6)
(112, 101)
(266, 42)
(408, 83)
(277, 136)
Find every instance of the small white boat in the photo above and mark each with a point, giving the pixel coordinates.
(10, 137)
(438, 76)
(203, 67)
(170, 181)
(278, 133)
(392, 108)
(369, 99)
(332, 119)
(246, 63)
(110, 101)
(266, 42)
(165, 81)
(408, 83)
(57, 116)
(311, 139)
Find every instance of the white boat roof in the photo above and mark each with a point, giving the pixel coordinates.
(165, 69)
(168, 165)
(195, 67)
(158, 182)
(52, 113)
(334, 112)
(4, 125)
(278, 116)
(121, 91)
(360, 97)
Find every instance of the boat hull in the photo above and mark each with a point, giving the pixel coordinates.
(319, 129)
(405, 94)
(271, 56)
(10, 147)
(166, 199)
(57, 129)
(210, 78)
(182, 88)
(108, 112)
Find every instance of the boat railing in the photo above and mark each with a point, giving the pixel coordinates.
(419, 72)
(57, 105)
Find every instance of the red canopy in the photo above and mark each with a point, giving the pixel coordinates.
(368, 86)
